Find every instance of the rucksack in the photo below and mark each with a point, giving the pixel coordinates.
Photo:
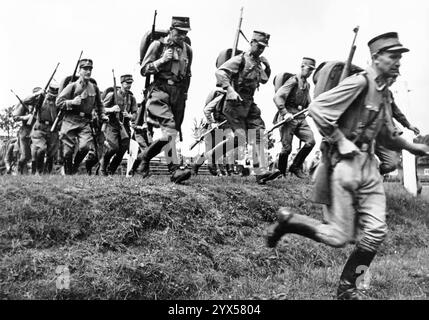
(148, 39)
(225, 55)
(280, 79)
(327, 75)
(107, 91)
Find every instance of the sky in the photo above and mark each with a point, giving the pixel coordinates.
(36, 34)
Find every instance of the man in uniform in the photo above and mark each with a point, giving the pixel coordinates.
(24, 113)
(118, 131)
(350, 117)
(389, 159)
(240, 76)
(169, 60)
(43, 141)
(291, 98)
(79, 99)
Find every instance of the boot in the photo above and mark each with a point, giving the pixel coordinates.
(40, 164)
(296, 167)
(103, 166)
(212, 169)
(282, 163)
(22, 167)
(135, 166)
(68, 166)
(354, 270)
(33, 167)
(179, 174)
(80, 155)
(197, 165)
(267, 176)
(48, 165)
(289, 222)
(89, 164)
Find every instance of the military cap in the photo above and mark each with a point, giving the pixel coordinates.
(83, 63)
(37, 89)
(53, 88)
(181, 23)
(310, 62)
(127, 78)
(261, 37)
(386, 42)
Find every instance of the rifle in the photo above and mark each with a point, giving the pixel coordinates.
(31, 120)
(140, 113)
(280, 123)
(201, 138)
(237, 35)
(119, 117)
(20, 101)
(348, 64)
(60, 114)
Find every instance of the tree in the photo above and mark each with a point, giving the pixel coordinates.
(7, 124)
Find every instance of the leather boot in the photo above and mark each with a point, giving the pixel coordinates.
(68, 166)
(282, 164)
(288, 222)
(267, 176)
(40, 164)
(80, 155)
(33, 167)
(197, 165)
(296, 167)
(89, 164)
(354, 270)
(48, 165)
(179, 174)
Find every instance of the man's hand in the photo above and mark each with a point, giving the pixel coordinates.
(76, 101)
(414, 129)
(167, 56)
(104, 118)
(231, 94)
(126, 114)
(346, 148)
(114, 109)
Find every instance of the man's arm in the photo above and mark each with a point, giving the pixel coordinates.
(99, 104)
(328, 107)
(282, 94)
(224, 76)
(152, 61)
(65, 99)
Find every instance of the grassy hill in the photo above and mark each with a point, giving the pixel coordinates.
(149, 239)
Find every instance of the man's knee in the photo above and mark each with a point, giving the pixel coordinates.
(286, 149)
(373, 238)
(387, 167)
(310, 143)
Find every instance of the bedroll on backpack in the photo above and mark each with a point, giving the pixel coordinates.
(280, 79)
(64, 82)
(225, 55)
(147, 40)
(108, 90)
(327, 75)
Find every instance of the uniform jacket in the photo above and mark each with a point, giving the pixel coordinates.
(177, 70)
(89, 93)
(244, 72)
(126, 102)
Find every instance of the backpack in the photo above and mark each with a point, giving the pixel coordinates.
(148, 39)
(64, 82)
(280, 79)
(327, 75)
(107, 91)
(225, 55)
